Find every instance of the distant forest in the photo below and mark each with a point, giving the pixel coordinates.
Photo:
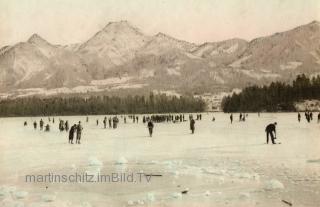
(36, 106)
(275, 97)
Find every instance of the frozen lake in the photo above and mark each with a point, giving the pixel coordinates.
(222, 164)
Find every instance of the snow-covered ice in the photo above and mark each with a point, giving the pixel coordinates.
(222, 164)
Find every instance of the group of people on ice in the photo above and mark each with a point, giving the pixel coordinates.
(309, 116)
(75, 129)
(150, 120)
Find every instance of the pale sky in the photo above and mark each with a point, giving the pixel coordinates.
(198, 21)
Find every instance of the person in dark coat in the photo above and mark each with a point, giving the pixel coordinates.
(299, 116)
(41, 124)
(47, 128)
(66, 126)
(231, 118)
(110, 124)
(79, 132)
(271, 131)
(35, 125)
(192, 125)
(71, 133)
(150, 127)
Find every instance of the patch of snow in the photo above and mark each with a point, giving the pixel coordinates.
(93, 161)
(273, 185)
(290, 65)
(174, 71)
(125, 86)
(111, 81)
(122, 161)
(21, 194)
(253, 74)
(176, 195)
(48, 197)
(231, 49)
(151, 197)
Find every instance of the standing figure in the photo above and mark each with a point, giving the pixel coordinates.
(110, 125)
(47, 128)
(150, 127)
(231, 118)
(192, 125)
(271, 130)
(25, 123)
(97, 122)
(299, 116)
(71, 133)
(35, 125)
(79, 132)
(318, 117)
(41, 124)
(66, 126)
(105, 122)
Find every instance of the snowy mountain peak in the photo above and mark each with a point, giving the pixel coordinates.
(36, 39)
(120, 27)
(162, 36)
(315, 22)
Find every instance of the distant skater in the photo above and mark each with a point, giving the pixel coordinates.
(97, 122)
(71, 133)
(25, 123)
(150, 127)
(110, 124)
(192, 125)
(271, 131)
(231, 118)
(41, 124)
(66, 126)
(47, 128)
(319, 117)
(299, 117)
(105, 122)
(79, 132)
(35, 125)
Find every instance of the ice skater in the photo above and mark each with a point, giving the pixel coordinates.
(192, 125)
(35, 125)
(79, 132)
(231, 118)
(47, 128)
(150, 127)
(66, 126)
(299, 117)
(71, 133)
(271, 131)
(41, 124)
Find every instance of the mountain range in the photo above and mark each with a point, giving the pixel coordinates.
(122, 58)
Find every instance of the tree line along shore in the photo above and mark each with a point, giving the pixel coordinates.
(277, 96)
(100, 105)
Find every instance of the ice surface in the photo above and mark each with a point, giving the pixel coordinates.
(223, 164)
